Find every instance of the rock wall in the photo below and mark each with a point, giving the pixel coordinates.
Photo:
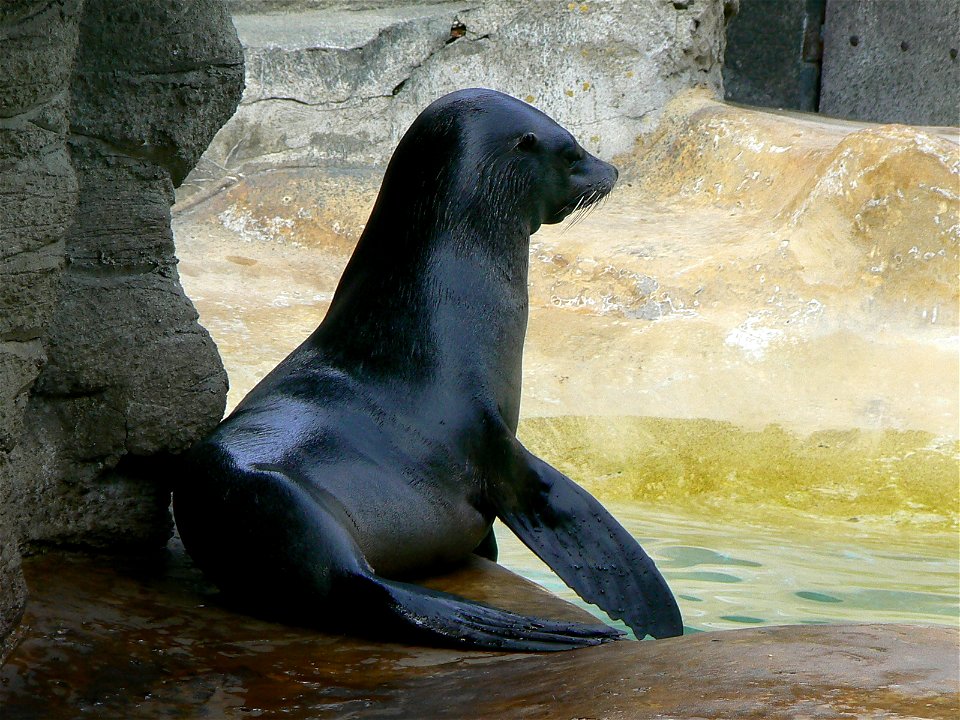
(336, 84)
(39, 190)
(104, 107)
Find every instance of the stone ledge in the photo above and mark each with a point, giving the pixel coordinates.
(146, 638)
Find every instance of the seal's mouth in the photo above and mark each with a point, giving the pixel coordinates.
(583, 204)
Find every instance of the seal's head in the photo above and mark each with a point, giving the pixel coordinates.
(485, 158)
(442, 264)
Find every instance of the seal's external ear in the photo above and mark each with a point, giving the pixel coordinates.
(527, 141)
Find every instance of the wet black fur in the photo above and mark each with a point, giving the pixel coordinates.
(384, 446)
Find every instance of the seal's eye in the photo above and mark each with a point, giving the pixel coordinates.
(574, 156)
(527, 141)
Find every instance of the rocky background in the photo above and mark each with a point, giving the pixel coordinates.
(105, 106)
(767, 305)
(762, 317)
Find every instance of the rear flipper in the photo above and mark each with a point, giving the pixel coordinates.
(419, 615)
(583, 543)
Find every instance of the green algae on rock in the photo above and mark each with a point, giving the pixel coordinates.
(886, 475)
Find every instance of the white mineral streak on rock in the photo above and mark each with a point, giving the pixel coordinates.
(752, 338)
(255, 229)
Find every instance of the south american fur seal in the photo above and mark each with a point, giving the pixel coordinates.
(385, 445)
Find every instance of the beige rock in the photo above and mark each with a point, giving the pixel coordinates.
(334, 84)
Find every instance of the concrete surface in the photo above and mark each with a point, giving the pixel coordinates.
(892, 61)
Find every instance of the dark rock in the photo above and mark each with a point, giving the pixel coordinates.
(13, 590)
(129, 368)
(155, 80)
(105, 106)
(773, 54)
(38, 195)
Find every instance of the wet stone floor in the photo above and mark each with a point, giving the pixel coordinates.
(145, 637)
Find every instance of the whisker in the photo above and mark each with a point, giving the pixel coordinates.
(579, 216)
(579, 219)
(586, 204)
(585, 208)
(576, 214)
(571, 217)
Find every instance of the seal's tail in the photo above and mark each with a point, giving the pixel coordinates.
(418, 614)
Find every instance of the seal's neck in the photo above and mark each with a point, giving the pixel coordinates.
(480, 323)
(434, 305)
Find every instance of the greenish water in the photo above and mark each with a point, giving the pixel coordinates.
(728, 574)
(767, 526)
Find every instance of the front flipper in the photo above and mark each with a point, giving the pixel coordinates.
(583, 543)
(284, 548)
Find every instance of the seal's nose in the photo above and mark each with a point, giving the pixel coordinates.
(612, 174)
(605, 170)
